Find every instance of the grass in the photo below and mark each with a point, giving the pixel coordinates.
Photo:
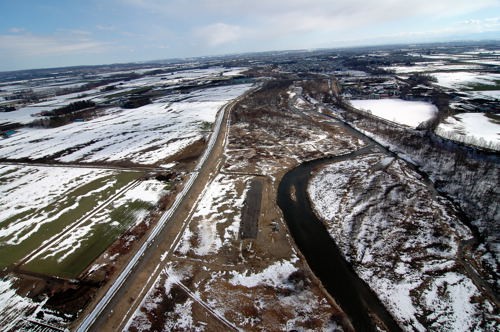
(495, 85)
(206, 126)
(103, 236)
(139, 90)
(495, 118)
(67, 210)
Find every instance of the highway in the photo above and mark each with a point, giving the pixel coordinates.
(134, 268)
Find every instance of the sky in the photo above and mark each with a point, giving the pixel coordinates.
(56, 33)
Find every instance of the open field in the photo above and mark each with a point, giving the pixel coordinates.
(408, 113)
(159, 204)
(170, 80)
(73, 215)
(146, 135)
(476, 129)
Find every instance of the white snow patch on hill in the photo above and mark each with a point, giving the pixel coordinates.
(471, 128)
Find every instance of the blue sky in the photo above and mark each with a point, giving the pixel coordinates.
(53, 33)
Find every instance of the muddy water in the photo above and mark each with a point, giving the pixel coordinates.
(321, 252)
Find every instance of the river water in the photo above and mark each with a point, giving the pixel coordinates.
(322, 253)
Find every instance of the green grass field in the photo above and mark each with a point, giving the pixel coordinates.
(64, 212)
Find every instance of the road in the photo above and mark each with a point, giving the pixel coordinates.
(119, 300)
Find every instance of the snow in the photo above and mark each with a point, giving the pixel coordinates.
(423, 67)
(14, 307)
(144, 135)
(148, 191)
(451, 296)
(44, 186)
(494, 94)
(401, 239)
(471, 128)
(219, 204)
(461, 79)
(409, 113)
(273, 275)
(72, 243)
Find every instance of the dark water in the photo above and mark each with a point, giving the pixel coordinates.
(322, 253)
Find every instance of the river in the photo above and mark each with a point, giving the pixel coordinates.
(321, 252)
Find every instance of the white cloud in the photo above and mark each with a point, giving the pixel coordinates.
(268, 20)
(105, 27)
(338, 8)
(219, 33)
(16, 30)
(29, 45)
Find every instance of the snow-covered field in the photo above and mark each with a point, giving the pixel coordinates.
(471, 128)
(431, 66)
(216, 279)
(29, 113)
(145, 135)
(57, 220)
(219, 206)
(409, 113)
(94, 232)
(403, 241)
(462, 79)
(71, 215)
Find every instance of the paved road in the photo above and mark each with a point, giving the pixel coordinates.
(132, 283)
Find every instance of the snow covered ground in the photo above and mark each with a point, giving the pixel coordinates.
(14, 308)
(409, 113)
(145, 135)
(29, 113)
(403, 240)
(71, 215)
(57, 220)
(219, 206)
(97, 230)
(215, 280)
(43, 186)
(431, 66)
(471, 128)
(462, 79)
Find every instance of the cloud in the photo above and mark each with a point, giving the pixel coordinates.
(105, 27)
(327, 8)
(29, 45)
(16, 30)
(219, 33)
(227, 21)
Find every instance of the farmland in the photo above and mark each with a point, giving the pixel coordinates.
(409, 113)
(97, 182)
(305, 190)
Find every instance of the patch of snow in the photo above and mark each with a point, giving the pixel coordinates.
(274, 275)
(461, 79)
(148, 191)
(471, 128)
(409, 113)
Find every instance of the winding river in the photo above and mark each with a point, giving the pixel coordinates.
(322, 254)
